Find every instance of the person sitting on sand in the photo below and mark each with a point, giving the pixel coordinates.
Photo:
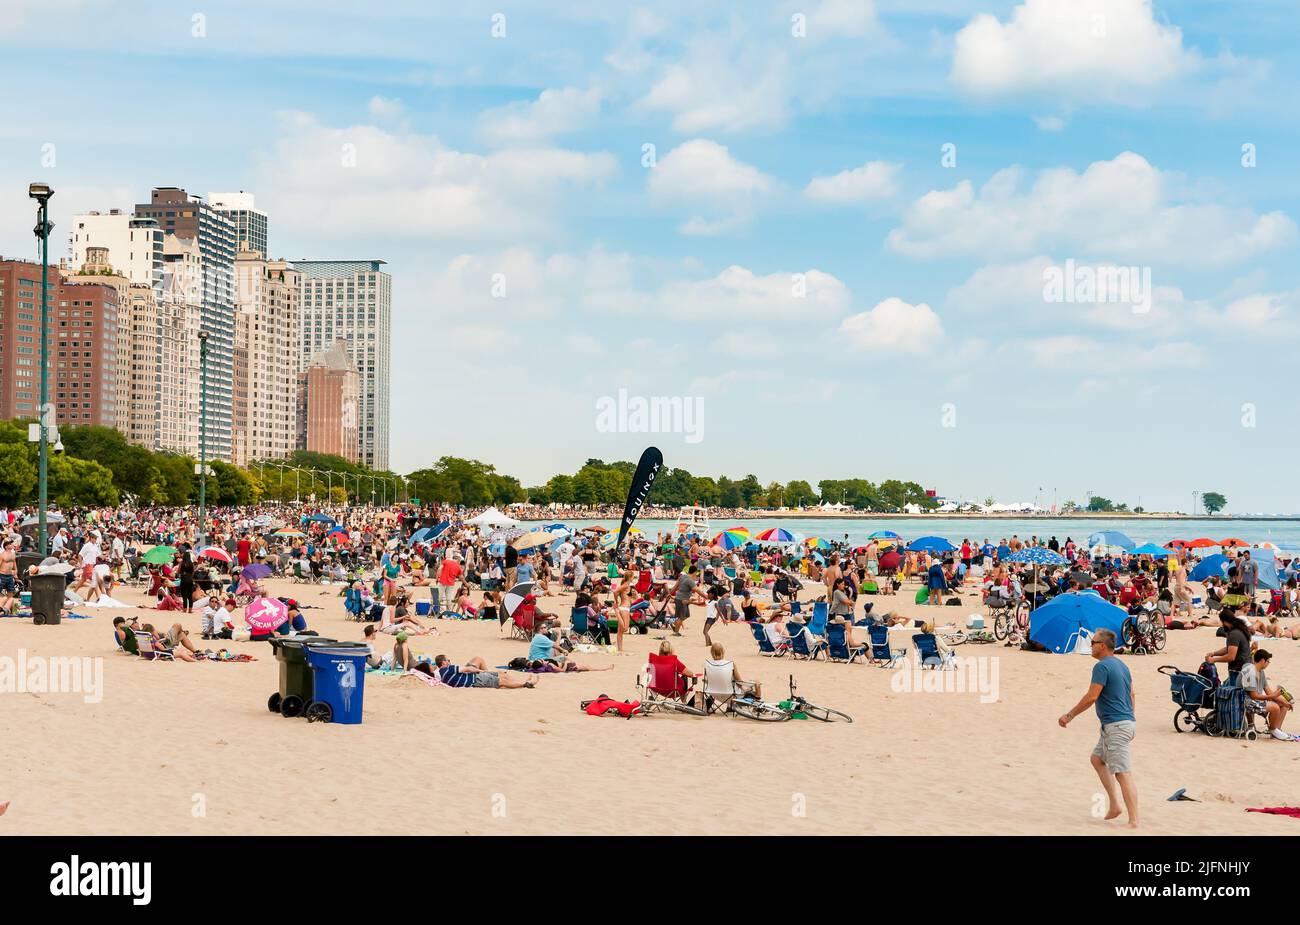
(125, 636)
(1275, 703)
(160, 644)
(475, 673)
(397, 619)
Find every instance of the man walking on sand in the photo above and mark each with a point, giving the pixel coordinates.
(1112, 691)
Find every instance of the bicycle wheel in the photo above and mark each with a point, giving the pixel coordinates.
(675, 706)
(1157, 638)
(1128, 634)
(1001, 626)
(763, 712)
(1022, 618)
(825, 714)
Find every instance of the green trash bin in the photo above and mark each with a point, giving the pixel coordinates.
(296, 679)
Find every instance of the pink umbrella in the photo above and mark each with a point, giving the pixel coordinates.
(266, 614)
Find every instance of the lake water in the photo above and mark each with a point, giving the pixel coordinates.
(955, 529)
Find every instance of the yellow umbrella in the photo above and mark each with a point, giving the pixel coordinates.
(536, 538)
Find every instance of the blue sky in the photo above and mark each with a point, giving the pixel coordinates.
(1107, 132)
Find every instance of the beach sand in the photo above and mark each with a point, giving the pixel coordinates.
(192, 748)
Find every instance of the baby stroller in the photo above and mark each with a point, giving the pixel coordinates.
(1227, 709)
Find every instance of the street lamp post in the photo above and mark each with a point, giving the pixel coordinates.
(42, 193)
(203, 439)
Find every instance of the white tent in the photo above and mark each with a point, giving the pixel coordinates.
(493, 518)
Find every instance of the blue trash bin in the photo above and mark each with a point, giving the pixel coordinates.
(340, 683)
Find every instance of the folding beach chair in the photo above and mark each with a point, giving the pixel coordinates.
(804, 644)
(720, 687)
(882, 654)
(837, 648)
(580, 625)
(662, 687)
(353, 604)
(927, 650)
(147, 650)
(523, 621)
(820, 614)
(765, 646)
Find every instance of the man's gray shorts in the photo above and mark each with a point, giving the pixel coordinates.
(487, 679)
(682, 610)
(1114, 746)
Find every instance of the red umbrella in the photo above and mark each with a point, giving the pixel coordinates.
(1233, 541)
(1203, 542)
(215, 552)
(1175, 544)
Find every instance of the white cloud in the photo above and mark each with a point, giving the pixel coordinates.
(739, 294)
(1122, 209)
(554, 112)
(723, 85)
(704, 175)
(383, 109)
(1074, 47)
(894, 325)
(364, 179)
(836, 19)
(874, 180)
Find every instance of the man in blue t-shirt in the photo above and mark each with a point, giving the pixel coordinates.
(1112, 692)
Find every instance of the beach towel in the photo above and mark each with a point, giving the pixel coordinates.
(387, 672)
(431, 680)
(106, 602)
(604, 704)
(1292, 811)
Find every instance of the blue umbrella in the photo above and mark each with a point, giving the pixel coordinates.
(1149, 549)
(321, 518)
(557, 529)
(1211, 566)
(1110, 538)
(931, 544)
(1057, 623)
(1039, 555)
(419, 536)
(883, 535)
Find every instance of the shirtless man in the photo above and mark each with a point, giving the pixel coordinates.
(8, 575)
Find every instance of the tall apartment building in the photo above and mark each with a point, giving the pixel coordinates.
(134, 245)
(266, 358)
(83, 345)
(98, 270)
(329, 391)
(249, 221)
(180, 318)
(351, 300)
(186, 216)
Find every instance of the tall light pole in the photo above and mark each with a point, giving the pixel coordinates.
(201, 535)
(42, 193)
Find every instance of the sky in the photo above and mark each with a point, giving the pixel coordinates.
(829, 225)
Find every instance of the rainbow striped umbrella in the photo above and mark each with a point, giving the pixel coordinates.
(775, 535)
(816, 542)
(730, 539)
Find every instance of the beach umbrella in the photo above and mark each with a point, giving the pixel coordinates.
(320, 519)
(1231, 542)
(1210, 566)
(504, 535)
(419, 536)
(1057, 623)
(594, 529)
(1149, 549)
(255, 571)
(558, 529)
(1176, 544)
(50, 518)
(884, 535)
(53, 566)
(775, 535)
(816, 542)
(288, 533)
(215, 552)
(159, 555)
(530, 540)
(515, 596)
(266, 614)
(730, 539)
(1201, 542)
(496, 549)
(931, 544)
(1038, 555)
(609, 539)
(1110, 538)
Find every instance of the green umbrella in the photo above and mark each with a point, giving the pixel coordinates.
(159, 555)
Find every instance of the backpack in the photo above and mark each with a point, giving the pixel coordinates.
(604, 704)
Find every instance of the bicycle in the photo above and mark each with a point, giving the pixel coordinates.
(811, 710)
(1143, 634)
(1012, 617)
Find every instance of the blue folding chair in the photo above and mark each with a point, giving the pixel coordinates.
(837, 648)
(765, 646)
(882, 653)
(927, 650)
(804, 644)
(820, 614)
(581, 625)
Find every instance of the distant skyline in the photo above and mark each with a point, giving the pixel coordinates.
(831, 223)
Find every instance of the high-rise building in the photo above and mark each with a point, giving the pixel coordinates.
(98, 270)
(328, 392)
(186, 216)
(351, 300)
(134, 245)
(83, 345)
(180, 318)
(266, 358)
(249, 221)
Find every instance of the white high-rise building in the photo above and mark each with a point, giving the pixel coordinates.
(135, 245)
(351, 300)
(266, 358)
(249, 221)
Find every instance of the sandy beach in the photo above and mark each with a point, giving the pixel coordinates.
(192, 748)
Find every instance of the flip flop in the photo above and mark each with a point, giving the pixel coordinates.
(1181, 794)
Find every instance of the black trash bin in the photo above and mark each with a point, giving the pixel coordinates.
(25, 561)
(296, 679)
(47, 598)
